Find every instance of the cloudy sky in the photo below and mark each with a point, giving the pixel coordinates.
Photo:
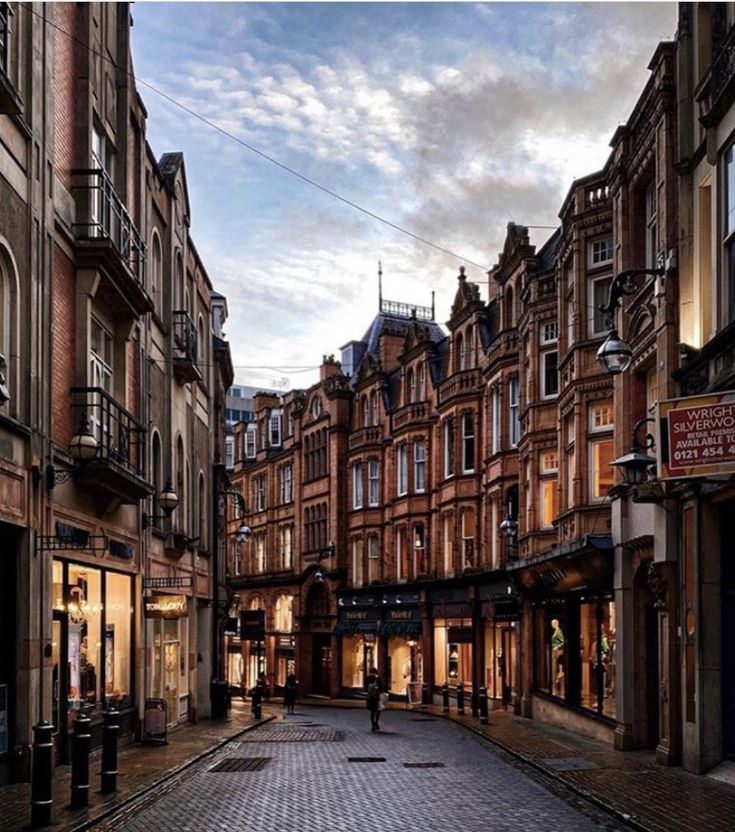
(446, 119)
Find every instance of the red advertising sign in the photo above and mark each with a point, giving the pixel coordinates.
(700, 436)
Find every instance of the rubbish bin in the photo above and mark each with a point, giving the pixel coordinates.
(218, 699)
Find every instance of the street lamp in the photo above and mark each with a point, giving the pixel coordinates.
(509, 528)
(167, 501)
(637, 464)
(83, 448)
(323, 554)
(615, 355)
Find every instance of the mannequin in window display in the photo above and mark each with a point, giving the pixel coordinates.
(557, 654)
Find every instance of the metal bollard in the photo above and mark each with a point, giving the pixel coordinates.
(460, 699)
(445, 698)
(110, 732)
(42, 777)
(474, 703)
(483, 706)
(257, 700)
(80, 762)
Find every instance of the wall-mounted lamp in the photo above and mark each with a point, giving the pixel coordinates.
(168, 499)
(83, 449)
(323, 554)
(637, 464)
(615, 355)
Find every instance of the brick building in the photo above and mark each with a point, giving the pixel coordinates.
(114, 376)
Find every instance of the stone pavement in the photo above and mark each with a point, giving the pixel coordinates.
(632, 785)
(323, 770)
(142, 768)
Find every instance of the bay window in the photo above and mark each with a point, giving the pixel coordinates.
(373, 482)
(402, 469)
(468, 443)
(419, 466)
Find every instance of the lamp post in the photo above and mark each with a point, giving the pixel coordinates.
(636, 465)
(167, 501)
(615, 355)
(323, 554)
(83, 448)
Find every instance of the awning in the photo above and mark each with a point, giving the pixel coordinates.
(356, 628)
(400, 628)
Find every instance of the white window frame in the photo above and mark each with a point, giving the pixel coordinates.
(402, 470)
(419, 467)
(260, 492)
(514, 410)
(605, 320)
(468, 441)
(600, 252)
(448, 448)
(601, 428)
(549, 333)
(544, 358)
(496, 420)
(286, 483)
(373, 482)
(357, 490)
(275, 425)
(251, 441)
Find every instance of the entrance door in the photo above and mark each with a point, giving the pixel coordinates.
(507, 663)
(653, 734)
(321, 663)
(728, 636)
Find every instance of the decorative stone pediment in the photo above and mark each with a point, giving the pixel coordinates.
(467, 299)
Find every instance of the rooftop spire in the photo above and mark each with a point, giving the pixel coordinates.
(380, 286)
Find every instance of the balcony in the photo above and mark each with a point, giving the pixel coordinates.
(364, 436)
(108, 240)
(410, 414)
(185, 348)
(466, 381)
(119, 467)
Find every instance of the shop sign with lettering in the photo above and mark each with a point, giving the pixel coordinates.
(120, 549)
(165, 606)
(697, 436)
(405, 614)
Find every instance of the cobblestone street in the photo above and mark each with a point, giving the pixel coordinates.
(323, 769)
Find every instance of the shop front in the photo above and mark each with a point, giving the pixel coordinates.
(500, 616)
(357, 625)
(454, 636)
(401, 631)
(92, 647)
(571, 635)
(167, 618)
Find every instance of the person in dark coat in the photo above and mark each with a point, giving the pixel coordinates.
(374, 688)
(290, 693)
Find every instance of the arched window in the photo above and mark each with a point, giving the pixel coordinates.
(156, 260)
(178, 293)
(374, 406)
(458, 353)
(9, 328)
(284, 613)
(181, 485)
(365, 412)
(421, 382)
(156, 471)
(411, 385)
(203, 513)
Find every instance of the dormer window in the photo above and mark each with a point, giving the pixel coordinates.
(275, 428)
(250, 440)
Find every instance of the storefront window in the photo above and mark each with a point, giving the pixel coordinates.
(597, 652)
(500, 660)
(84, 609)
(406, 662)
(551, 649)
(359, 654)
(118, 613)
(452, 650)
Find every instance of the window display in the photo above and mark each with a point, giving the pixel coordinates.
(452, 650)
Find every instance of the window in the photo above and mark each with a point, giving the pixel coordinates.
(357, 562)
(730, 232)
(259, 489)
(357, 485)
(601, 471)
(365, 411)
(549, 374)
(549, 332)
(286, 546)
(374, 406)
(5, 12)
(373, 482)
(419, 466)
(315, 454)
(419, 549)
(156, 260)
(284, 614)
(514, 411)
(286, 482)
(402, 469)
(448, 448)
(250, 441)
(570, 474)
(468, 443)
(8, 326)
(101, 357)
(601, 416)
(259, 565)
(651, 226)
(411, 385)
(600, 322)
(600, 252)
(459, 353)
(316, 407)
(495, 408)
(468, 540)
(315, 527)
(373, 563)
(401, 554)
(448, 536)
(275, 428)
(421, 375)
(549, 501)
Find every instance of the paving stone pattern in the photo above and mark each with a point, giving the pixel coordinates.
(311, 786)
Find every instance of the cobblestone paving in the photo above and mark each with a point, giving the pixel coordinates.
(311, 786)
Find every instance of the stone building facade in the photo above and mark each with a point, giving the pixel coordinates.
(109, 337)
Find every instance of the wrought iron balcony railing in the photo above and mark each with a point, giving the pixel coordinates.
(120, 436)
(407, 310)
(5, 13)
(185, 337)
(723, 65)
(104, 217)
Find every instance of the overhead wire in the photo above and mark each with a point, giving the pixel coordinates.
(308, 180)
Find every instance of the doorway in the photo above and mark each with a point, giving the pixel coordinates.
(653, 733)
(321, 654)
(60, 684)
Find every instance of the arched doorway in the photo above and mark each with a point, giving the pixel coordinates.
(318, 622)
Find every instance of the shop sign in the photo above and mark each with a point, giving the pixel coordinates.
(165, 606)
(507, 610)
(407, 614)
(697, 436)
(285, 642)
(231, 627)
(252, 625)
(120, 549)
(453, 610)
(353, 621)
(72, 534)
(183, 582)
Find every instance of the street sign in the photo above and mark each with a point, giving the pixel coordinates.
(697, 436)
(183, 582)
(165, 606)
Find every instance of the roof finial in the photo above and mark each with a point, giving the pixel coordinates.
(433, 315)
(380, 286)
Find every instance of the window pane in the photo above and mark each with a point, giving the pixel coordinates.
(602, 474)
(117, 638)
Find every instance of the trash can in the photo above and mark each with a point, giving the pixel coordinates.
(155, 722)
(218, 699)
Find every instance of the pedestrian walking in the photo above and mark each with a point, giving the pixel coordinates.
(290, 693)
(375, 697)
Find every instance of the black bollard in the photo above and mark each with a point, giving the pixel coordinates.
(445, 698)
(43, 769)
(110, 732)
(483, 706)
(257, 701)
(474, 703)
(460, 699)
(80, 762)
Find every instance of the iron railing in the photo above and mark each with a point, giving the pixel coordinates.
(185, 337)
(407, 310)
(120, 436)
(107, 218)
(723, 65)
